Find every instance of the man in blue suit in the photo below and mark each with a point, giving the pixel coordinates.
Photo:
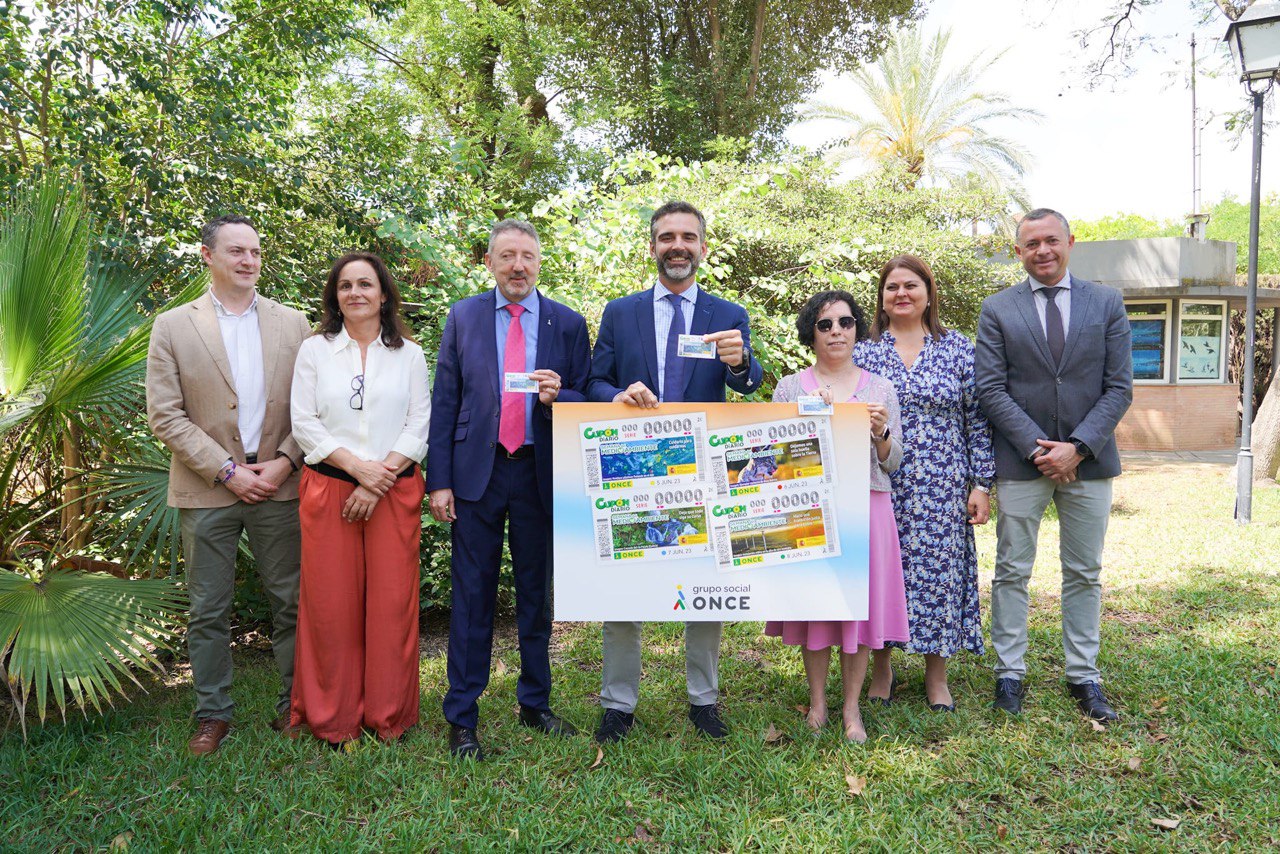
(1054, 375)
(489, 462)
(636, 362)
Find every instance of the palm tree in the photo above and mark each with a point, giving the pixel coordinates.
(72, 349)
(929, 120)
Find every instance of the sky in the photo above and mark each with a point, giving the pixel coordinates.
(1123, 147)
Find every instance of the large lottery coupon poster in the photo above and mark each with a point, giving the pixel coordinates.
(710, 511)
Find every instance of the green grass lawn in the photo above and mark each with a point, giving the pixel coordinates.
(1191, 642)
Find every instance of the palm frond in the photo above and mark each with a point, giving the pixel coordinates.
(75, 633)
(138, 491)
(44, 241)
(928, 116)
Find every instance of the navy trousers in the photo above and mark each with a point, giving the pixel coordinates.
(511, 497)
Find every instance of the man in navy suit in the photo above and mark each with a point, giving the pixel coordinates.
(1054, 375)
(636, 362)
(489, 462)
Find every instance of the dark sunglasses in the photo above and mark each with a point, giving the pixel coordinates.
(825, 324)
(357, 399)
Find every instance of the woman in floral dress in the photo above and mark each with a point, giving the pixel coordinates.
(942, 488)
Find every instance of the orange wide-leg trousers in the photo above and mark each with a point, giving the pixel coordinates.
(356, 657)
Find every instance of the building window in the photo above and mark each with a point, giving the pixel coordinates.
(1150, 324)
(1202, 341)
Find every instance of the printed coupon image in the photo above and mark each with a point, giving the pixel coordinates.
(796, 452)
(786, 527)
(660, 524)
(645, 453)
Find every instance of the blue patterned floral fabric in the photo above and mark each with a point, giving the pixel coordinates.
(947, 450)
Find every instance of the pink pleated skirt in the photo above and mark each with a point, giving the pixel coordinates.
(886, 596)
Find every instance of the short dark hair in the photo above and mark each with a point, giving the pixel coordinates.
(1041, 213)
(209, 233)
(922, 269)
(512, 225)
(807, 319)
(676, 207)
(394, 331)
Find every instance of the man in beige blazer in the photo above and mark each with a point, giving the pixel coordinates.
(219, 372)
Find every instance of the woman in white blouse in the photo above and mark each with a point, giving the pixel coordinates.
(360, 407)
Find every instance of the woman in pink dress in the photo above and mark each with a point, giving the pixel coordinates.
(830, 323)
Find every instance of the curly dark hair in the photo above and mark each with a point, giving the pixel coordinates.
(807, 319)
(394, 332)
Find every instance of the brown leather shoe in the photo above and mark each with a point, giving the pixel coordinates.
(208, 737)
(282, 725)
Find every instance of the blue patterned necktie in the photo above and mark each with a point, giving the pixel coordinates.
(673, 368)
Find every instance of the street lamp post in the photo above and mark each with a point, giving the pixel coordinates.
(1254, 38)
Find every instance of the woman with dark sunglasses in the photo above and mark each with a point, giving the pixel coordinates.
(941, 489)
(360, 408)
(830, 324)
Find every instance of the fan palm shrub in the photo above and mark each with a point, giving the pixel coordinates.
(73, 348)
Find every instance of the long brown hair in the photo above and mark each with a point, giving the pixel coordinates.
(921, 268)
(394, 332)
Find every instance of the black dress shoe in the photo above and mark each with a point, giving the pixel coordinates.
(706, 720)
(614, 724)
(1009, 696)
(545, 720)
(463, 743)
(1093, 702)
(942, 707)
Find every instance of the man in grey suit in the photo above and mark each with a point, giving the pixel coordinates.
(1054, 376)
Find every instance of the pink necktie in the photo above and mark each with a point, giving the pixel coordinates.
(511, 424)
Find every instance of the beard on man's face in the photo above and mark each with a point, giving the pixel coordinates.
(677, 265)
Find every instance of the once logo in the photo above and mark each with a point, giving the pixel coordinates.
(607, 433)
(717, 441)
(728, 511)
(721, 603)
(607, 503)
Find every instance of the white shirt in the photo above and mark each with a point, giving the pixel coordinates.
(242, 339)
(662, 317)
(397, 405)
(1062, 298)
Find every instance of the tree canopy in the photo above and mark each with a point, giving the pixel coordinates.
(1228, 220)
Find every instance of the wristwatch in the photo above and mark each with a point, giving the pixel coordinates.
(1081, 448)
